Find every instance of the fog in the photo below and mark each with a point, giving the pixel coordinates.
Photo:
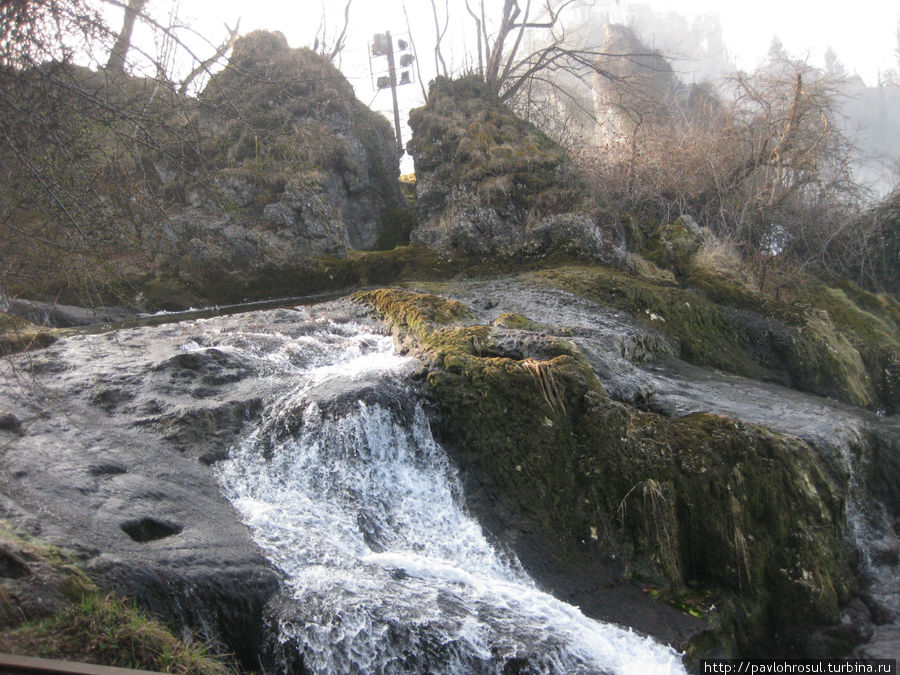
(703, 41)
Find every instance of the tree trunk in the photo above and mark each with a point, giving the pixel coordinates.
(116, 63)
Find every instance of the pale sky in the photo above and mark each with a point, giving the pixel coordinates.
(862, 33)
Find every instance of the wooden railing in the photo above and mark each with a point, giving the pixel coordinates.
(16, 665)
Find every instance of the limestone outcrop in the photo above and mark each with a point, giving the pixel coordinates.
(491, 184)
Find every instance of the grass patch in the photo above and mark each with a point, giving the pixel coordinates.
(68, 618)
(104, 630)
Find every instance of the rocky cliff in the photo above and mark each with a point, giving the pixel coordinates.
(288, 167)
(171, 200)
(491, 184)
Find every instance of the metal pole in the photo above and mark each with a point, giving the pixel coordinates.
(392, 72)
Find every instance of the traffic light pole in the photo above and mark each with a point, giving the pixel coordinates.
(392, 73)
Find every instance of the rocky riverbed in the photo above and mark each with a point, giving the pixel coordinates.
(113, 445)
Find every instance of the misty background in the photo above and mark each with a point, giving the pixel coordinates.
(703, 42)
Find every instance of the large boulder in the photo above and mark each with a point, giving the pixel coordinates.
(274, 165)
(290, 167)
(489, 183)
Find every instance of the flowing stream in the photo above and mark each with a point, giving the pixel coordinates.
(349, 495)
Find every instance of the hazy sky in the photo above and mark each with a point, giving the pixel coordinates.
(862, 32)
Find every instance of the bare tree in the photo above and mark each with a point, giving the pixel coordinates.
(765, 162)
(440, 66)
(204, 66)
(322, 44)
(116, 62)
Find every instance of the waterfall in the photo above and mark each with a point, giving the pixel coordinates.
(348, 494)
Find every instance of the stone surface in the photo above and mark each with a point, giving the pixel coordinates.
(489, 183)
(701, 464)
(109, 465)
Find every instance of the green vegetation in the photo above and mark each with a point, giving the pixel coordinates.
(59, 613)
(107, 631)
(473, 141)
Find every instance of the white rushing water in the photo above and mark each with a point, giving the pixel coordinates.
(348, 494)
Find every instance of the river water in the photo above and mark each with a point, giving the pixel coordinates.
(349, 495)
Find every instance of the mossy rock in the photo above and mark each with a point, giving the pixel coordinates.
(63, 615)
(702, 333)
(18, 335)
(490, 183)
(515, 321)
(675, 245)
(839, 341)
(697, 505)
(821, 341)
(465, 137)
(649, 271)
(396, 225)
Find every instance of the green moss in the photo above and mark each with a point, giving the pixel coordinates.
(700, 506)
(866, 328)
(821, 341)
(675, 245)
(733, 292)
(92, 627)
(841, 342)
(414, 311)
(648, 270)
(700, 330)
(515, 321)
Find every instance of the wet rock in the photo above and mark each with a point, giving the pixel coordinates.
(149, 517)
(12, 565)
(205, 432)
(107, 469)
(63, 316)
(150, 529)
(838, 640)
(667, 471)
(9, 422)
(208, 366)
(886, 551)
(108, 399)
